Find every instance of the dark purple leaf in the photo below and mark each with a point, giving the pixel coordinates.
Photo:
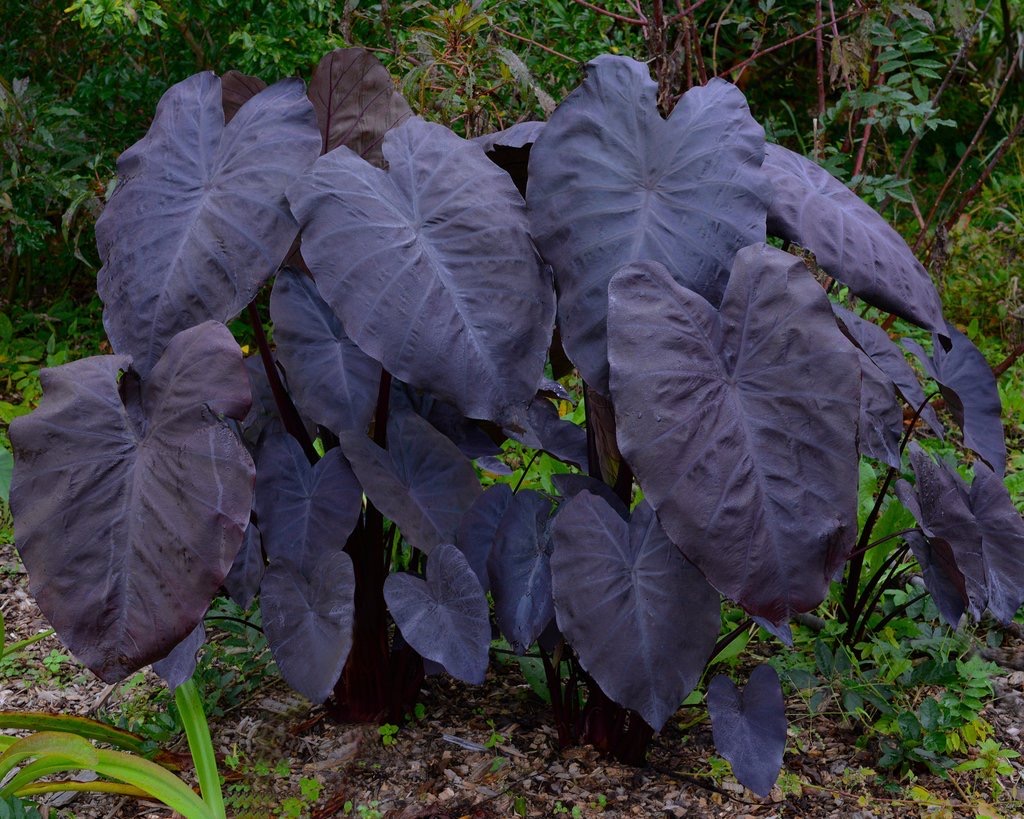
(355, 102)
(944, 581)
(243, 581)
(510, 150)
(444, 617)
(479, 527)
(874, 342)
(331, 380)
(130, 499)
(611, 182)
(465, 433)
(749, 727)
(881, 416)
(236, 90)
(179, 666)
(782, 632)
(641, 617)
(303, 511)
(972, 396)
(852, 242)
(199, 220)
(431, 268)
(545, 430)
(740, 425)
(520, 570)
(570, 485)
(308, 619)
(983, 530)
(422, 482)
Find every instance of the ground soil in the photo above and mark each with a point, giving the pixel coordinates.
(490, 751)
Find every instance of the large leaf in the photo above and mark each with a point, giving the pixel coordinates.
(303, 511)
(308, 618)
(980, 525)
(130, 499)
(849, 239)
(519, 566)
(355, 102)
(875, 343)
(611, 182)
(510, 150)
(972, 395)
(243, 581)
(881, 416)
(236, 89)
(749, 727)
(179, 666)
(478, 529)
(198, 220)
(545, 429)
(445, 616)
(332, 381)
(641, 617)
(740, 425)
(422, 482)
(431, 268)
(942, 577)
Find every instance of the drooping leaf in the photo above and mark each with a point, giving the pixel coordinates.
(422, 482)
(546, 430)
(243, 581)
(874, 342)
(308, 619)
(983, 530)
(740, 425)
(303, 511)
(236, 89)
(519, 566)
(431, 268)
(465, 433)
(972, 396)
(849, 239)
(641, 617)
(479, 528)
(198, 220)
(445, 616)
(749, 727)
(881, 417)
(330, 378)
(179, 666)
(355, 102)
(611, 182)
(130, 499)
(944, 581)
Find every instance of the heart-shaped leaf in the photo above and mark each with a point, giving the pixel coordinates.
(520, 570)
(641, 617)
(243, 581)
(611, 182)
(143, 519)
(303, 511)
(355, 102)
(972, 396)
(749, 727)
(546, 430)
(874, 342)
(422, 482)
(431, 268)
(740, 425)
(943, 579)
(331, 380)
(308, 619)
(445, 616)
(849, 239)
(198, 220)
(479, 529)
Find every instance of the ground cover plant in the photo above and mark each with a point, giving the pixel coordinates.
(413, 308)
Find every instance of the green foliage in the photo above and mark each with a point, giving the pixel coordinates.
(254, 789)
(387, 733)
(14, 808)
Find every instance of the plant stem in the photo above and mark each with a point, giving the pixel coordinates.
(197, 730)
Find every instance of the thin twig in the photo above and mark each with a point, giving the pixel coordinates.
(541, 46)
(620, 17)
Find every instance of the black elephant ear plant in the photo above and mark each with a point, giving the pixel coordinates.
(413, 302)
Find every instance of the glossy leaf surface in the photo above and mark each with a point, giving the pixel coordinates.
(611, 182)
(641, 617)
(849, 239)
(130, 498)
(199, 220)
(444, 617)
(740, 425)
(431, 268)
